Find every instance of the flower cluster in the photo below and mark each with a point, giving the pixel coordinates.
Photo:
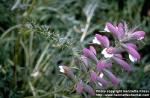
(97, 72)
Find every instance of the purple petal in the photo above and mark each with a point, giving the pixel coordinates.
(86, 52)
(121, 31)
(138, 35)
(106, 41)
(103, 64)
(89, 54)
(121, 25)
(103, 40)
(89, 90)
(100, 65)
(123, 64)
(131, 45)
(113, 29)
(93, 49)
(79, 87)
(132, 51)
(118, 55)
(93, 76)
(112, 77)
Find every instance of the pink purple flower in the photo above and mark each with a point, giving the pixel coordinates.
(117, 31)
(131, 45)
(103, 64)
(131, 51)
(103, 40)
(90, 53)
(93, 49)
(96, 71)
(139, 35)
(67, 71)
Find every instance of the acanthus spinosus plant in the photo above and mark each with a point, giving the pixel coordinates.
(97, 73)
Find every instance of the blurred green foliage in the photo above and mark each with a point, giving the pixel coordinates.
(36, 36)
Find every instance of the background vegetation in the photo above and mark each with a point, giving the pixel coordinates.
(36, 36)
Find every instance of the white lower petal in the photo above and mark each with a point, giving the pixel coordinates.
(106, 29)
(61, 69)
(106, 54)
(132, 58)
(101, 76)
(99, 83)
(95, 41)
(141, 38)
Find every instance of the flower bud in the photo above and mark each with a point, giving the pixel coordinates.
(103, 64)
(139, 35)
(89, 54)
(113, 29)
(67, 71)
(132, 51)
(103, 40)
(93, 49)
(121, 30)
(131, 45)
